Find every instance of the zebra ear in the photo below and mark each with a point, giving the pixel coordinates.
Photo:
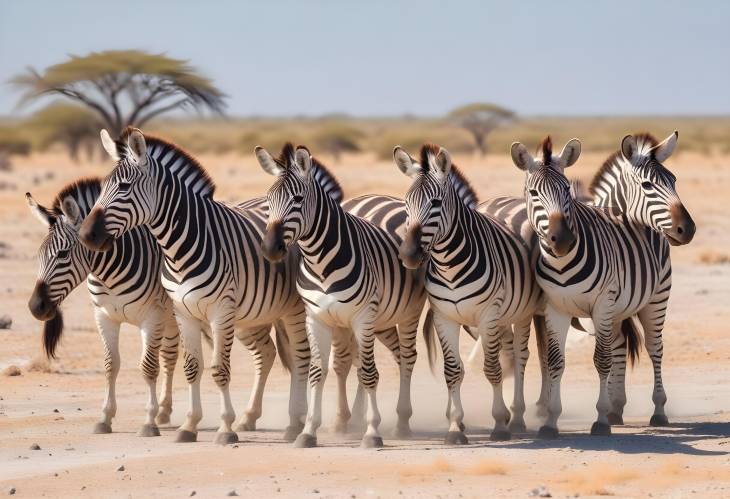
(570, 153)
(405, 162)
(41, 213)
(138, 147)
(303, 159)
(628, 147)
(109, 145)
(71, 210)
(268, 164)
(443, 162)
(521, 157)
(665, 149)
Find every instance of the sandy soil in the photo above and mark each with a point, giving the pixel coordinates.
(56, 405)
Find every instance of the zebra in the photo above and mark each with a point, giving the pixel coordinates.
(636, 187)
(479, 274)
(350, 279)
(582, 270)
(213, 271)
(124, 287)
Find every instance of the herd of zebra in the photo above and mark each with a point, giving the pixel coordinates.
(160, 252)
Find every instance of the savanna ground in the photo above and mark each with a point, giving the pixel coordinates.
(55, 405)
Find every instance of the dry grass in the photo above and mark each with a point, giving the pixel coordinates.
(714, 257)
(595, 479)
(488, 467)
(438, 465)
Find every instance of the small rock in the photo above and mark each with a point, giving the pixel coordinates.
(159, 472)
(232, 493)
(540, 491)
(12, 370)
(315, 491)
(56, 410)
(192, 493)
(11, 492)
(121, 468)
(35, 447)
(5, 322)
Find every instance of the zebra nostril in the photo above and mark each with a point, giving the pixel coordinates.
(553, 238)
(680, 230)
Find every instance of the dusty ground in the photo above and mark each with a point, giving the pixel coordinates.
(55, 406)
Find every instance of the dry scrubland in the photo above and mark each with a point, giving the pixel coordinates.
(55, 405)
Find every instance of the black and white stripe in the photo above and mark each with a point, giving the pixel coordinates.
(479, 274)
(213, 270)
(350, 280)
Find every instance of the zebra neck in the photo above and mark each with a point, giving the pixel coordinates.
(611, 191)
(454, 248)
(328, 237)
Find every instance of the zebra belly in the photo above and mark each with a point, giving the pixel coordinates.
(569, 299)
(133, 311)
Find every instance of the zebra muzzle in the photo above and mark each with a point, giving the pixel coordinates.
(93, 233)
(411, 251)
(683, 227)
(273, 246)
(559, 237)
(40, 304)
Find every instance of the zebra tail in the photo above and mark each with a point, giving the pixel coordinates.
(429, 337)
(283, 345)
(575, 322)
(52, 331)
(633, 340)
(540, 337)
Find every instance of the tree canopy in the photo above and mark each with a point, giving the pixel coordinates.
(480, 119)
(124, 87)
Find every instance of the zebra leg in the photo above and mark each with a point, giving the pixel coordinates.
(296, 330)
(367, 374)
(541, 342)
(407, 332)
(557, 324)
(168, 352)
(191, 337)
(149, 364)
(604, 325)
(262, 350)
(491, 335)
(320, 343)
(652, 321)
(223, 334)
(448, 334)
(617, 377)
(341, 363)
(521, 355)
(109, 331)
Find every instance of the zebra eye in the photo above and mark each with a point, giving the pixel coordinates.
(435, 203)
(124, 186)
(533, 192)
(62, 254)
(647, 185)
(297, 198)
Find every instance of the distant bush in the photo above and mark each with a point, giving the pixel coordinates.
(12, 143)
(337, 138)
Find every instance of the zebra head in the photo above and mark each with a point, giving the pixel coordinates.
(290, 213)
(424, 200)
(128, 195)
(651, 195)
(548, 194)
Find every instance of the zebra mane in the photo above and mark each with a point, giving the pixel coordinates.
(84, 191)
(165, 145)
(645, 144)
(546, 148)
(322, 175)
(463, 187)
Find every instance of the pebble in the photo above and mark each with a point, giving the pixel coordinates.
(121, 468)
(5, 322)
(11, 492)
(540, 491)
(192, 493)
(56, 410)
(232, 493)
(12, 370)
(35, 447)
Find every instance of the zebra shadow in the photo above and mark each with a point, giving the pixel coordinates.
(677, 438)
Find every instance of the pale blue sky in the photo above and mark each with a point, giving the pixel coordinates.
(389, 57)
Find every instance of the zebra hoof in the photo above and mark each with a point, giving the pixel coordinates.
(185, 436)
(246, 426)
(462, 427)
(305, 441)
(615, 419)
(547, 433)
(456, 438)
(500, 435)
(371, 442)
(292, 432)
(162, 418)
(149, 430)
(403, 432)
(659, 420)
(226, 437)
(102, 428)
(517, 426)
(600, 429)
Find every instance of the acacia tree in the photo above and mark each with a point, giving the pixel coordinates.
(73, 126)
(480, 120)
(124, 87)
